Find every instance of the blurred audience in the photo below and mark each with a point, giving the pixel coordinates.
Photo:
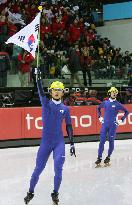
(69, 37)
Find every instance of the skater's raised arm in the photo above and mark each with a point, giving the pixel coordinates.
(41, 92)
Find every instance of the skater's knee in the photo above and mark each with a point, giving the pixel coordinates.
(102, 142)
(111, 140)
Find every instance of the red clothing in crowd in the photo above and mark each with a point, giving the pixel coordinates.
(94, 100)
(12, 29)
(74, 33)
(65, 18)
(89, 36)
(57, 27)
(25, 66)
(45, 29)
(15, 8)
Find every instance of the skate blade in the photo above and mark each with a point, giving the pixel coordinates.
(107, 165)
(98, 166)
(54, 203)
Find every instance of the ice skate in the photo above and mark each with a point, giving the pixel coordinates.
(107, 161)
(29, 197)
(98, 162)
(55, 198)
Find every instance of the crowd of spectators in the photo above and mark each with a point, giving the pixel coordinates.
(68, 37)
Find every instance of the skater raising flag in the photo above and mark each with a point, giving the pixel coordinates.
(27, 37)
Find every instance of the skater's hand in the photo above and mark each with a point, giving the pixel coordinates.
(101, 119)
(72, 150)
(37, 72)
(118, 122)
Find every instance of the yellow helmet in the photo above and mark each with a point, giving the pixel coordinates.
(57, 84)
(113, 89)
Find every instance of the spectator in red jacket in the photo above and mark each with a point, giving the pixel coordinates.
(89, 35)
(65, 16)
(74, 32)
(25, 60)
(58, 26)
(45, 28)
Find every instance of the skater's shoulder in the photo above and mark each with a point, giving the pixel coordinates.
(117, 102)
(64, 106)
(106, 101)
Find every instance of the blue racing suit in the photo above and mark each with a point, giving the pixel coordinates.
(111, 109)
(52, 138)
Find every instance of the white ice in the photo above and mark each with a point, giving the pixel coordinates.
(82, 184)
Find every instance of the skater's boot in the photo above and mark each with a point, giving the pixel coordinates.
(55, 198)
(107, 160)
(29, 197)
(98, 161)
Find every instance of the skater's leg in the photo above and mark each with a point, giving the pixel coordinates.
(42, 158)
(59, 159)
(103, 133)
(111, 137)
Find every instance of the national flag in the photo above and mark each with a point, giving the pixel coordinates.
(27, 38)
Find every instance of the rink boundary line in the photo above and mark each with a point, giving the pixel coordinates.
(36, 142)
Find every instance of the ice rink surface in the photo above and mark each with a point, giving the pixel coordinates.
(82, 183)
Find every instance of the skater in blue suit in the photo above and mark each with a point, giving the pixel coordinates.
(53, 113)
(109, 123)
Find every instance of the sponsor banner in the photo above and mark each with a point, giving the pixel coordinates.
(32, 121)
(83, 121)
(18, 123)
(11, 123)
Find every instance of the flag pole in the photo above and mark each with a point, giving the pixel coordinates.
(40, 9)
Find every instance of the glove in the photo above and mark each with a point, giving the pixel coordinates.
(118, 122)
(72, 150)
(37, 72)
(101, 119)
